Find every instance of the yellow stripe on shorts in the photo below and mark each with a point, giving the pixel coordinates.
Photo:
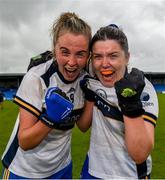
(6, 174)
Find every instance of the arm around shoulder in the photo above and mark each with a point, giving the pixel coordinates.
(85, 121)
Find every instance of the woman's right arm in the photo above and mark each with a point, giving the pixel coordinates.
(85, 121)
(31, 131)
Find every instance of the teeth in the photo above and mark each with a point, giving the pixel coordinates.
(71, 70)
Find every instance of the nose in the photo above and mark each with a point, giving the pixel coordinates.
(105, 62)
(72, 60)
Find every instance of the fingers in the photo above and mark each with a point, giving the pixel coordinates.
(137, 74)
(55, 90)
(50, 91)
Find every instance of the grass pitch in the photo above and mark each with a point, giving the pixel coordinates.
(80, 141)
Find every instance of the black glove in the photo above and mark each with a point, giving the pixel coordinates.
(128, 91)
(89, 94)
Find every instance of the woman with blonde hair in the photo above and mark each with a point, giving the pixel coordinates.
(50, 101)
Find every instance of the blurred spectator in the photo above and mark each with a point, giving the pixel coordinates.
(1, 99)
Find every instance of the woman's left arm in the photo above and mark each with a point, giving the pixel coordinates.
(139, 138)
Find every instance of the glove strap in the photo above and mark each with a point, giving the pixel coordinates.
(44, 118)
(60, 126)
(134, 114)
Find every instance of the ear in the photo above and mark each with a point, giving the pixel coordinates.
(127, 57)
(54, 51)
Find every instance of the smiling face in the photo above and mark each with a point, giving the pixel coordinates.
(109, 61)
(71, 51)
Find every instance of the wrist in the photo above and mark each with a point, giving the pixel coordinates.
(89, 98)
(133, 113)
(45, 120)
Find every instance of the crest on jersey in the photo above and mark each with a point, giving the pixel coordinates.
(101, 93)
(71, 93)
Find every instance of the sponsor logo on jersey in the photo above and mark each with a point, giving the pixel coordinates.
(109, 110)
(145, 97)
(104, 107)
(71, 120)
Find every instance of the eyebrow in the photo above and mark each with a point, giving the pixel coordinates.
(64, 48)
(99, 53)
(81, 51)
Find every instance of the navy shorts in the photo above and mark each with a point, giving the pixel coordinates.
(84, 171)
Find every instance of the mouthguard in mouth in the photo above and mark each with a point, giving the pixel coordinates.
(108, 72)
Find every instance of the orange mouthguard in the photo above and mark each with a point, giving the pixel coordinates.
(109, 72)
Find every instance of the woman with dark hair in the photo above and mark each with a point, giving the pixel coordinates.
(122, 113)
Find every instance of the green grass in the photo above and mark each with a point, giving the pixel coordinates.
(7, 119)
(80, 141)
(80, 144)
(158, 154)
